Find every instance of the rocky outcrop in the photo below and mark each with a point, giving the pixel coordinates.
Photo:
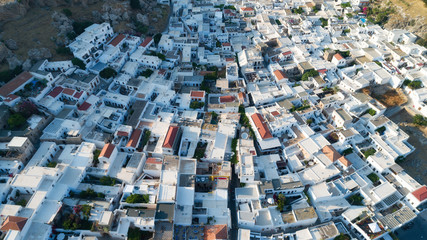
(11, 44)
(39, 53)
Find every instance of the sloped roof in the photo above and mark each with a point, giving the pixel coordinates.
(214, 232)
(344, 161)
(261, 126)
(15, 83)
(224, 99)
(117, 40)
(170, 137)
(420, 193)
(13, 223)
(197, 94)
(134, 137)
(107, 150)
(331, 153)
(280, 75)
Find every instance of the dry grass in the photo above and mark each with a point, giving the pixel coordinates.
(412, 7)
(386, 95)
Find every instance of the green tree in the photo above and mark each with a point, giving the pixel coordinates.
(147, 73)
(79, 63)
(342, 236)
(52, 164)
(196, 104)
(67, 12)
(281, 202)
(107, 73)
(157, 38)
(373, 177)
(16, 120)
(415, 84)
(107, 181)
(420, 120)
(369, 152)
(137, 198)
(310, 73)
(135, 4)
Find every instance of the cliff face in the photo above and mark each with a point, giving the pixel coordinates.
(11, 10)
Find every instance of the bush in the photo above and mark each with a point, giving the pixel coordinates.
(196, 104)
(79, 27)
(311, 73)
(371, 112)
(380, 130)
(16, 120)
(107, 181)
(347, 151)
(157, 38)
(281, 202)
(96, 154)
(415, 84)
(345, 5)
(373, 177)
(107, 73)
(52, 164)
(420, 120)
(278, 22)
(298, 10)
(137, 198)
(324, 22)
(342, 236)
(356, 199)
(147, 73)
(8, 75)
(369, 152)
(79, 63)
(63, 51)
(67, 12)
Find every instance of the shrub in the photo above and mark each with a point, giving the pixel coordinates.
(63, 50)
(324, 22)
(196, 104)
(135, 4)
(371, 112)
(7, 75)
(52, 164)
(79, 27)
(107, 73)
(356, 199)
(137, 198)
(281, 202)
(79, 63)
(147, 73)
(67, 12)
(311, 73)
(373, 177)
(369, 152)
(420, 120)
(157, 38)
(347, 151)
(107, 181)
(16, 120)
(342, 236)
(415, 84)
(380, 130)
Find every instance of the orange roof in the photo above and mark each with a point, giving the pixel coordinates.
(420, 193)
(170, 137)
(226, 44)
(224, 99)
(13, 223)
(280, 75)
(15, 83)
(331, 153)
(261, 126)
(338, 56)
(241, 95)
(122, 134)
(344, 161)
(117, 40)
(146, 41)
(153, 161)
(247, 9)
(275, 113)
(197, 94)
(68, 91)
(286, 53)
(107, 150)
(85, 106)
(134, 138)
(214, 232)
(56, 91)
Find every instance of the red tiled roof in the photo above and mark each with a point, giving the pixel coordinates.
(338, 56)
(280, 75)
(261, 126)
(78, 94)
(15, 83)
(275, 113)
(224, 99)
(420, 193)
(11, 97)
(214, 232)
(107, 150)
(69, 91)
(322, 70)
(241, 95)
(134, 138)
(146, 41)
(170, 137)
(287, 53)
(226, 44)
(56, 91)
(162, 72)
(13, 223)
(344, 161)
(197, 94)
(331, 153)
(153, 161)
(122, 134)
(117, 40)
(230, 59)
(247, 9)
(85, 106)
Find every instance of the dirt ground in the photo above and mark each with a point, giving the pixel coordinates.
(387, 95)
(415, 163)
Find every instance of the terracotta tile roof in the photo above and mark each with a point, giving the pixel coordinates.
(322, 70)
(85, 106)
(122, 134)
(134, 138)
(11, 97)
(146, 41)
(420, 193)
(214, 232)
(15, 83)
(275, 113)
(117, 40)
(224, 99)
(162, 72)
(153, 161)
(280, 75)
(230, 59)
(247, 9)
(197, 94)
(69, 91)
(107, 150)
(56, 91)
(241, 95)
(344, 161)
(331, 153)
(226, 44)
(13, 223)
(170, 137)
(261, 126)
(78, 94)
(286, 53)
(338, 56)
